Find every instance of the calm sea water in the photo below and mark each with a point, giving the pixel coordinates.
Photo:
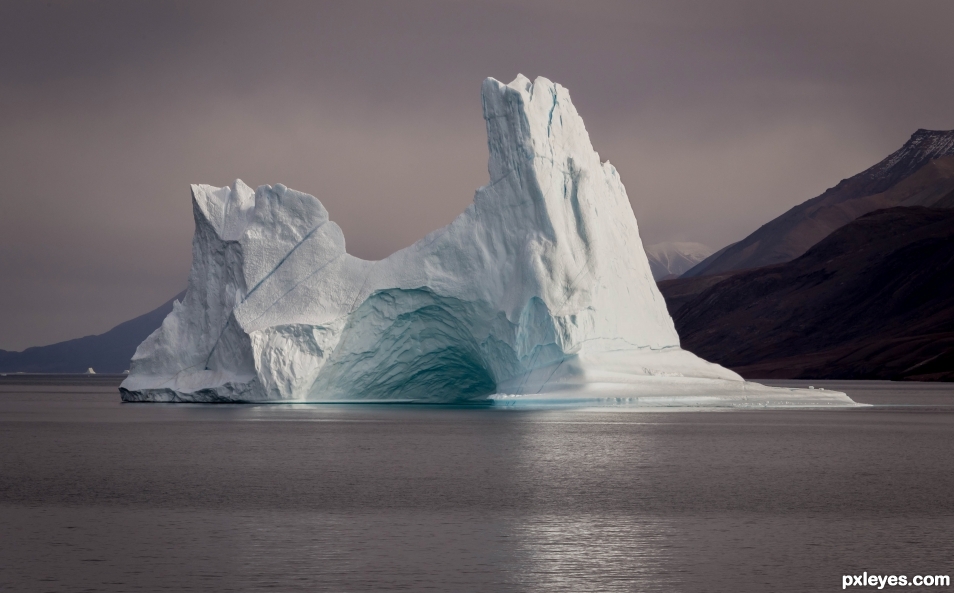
(96, 495)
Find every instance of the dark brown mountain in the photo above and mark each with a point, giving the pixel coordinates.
(920, 173)
(873, 300)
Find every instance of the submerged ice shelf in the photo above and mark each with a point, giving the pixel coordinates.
(539, 291)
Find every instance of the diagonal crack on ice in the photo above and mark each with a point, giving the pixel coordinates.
(282, 260)
(256, 287)
(547, 381)
(251, 323)
(357, 295)
(550, 115)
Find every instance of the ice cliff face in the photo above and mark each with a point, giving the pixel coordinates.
(541, 286)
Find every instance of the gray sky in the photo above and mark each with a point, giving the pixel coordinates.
(718, 115)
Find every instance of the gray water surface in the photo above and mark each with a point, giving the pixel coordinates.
(96, 495)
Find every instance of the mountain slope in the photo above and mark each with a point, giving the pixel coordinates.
(927, 158)
(674, 258)
(109, 352)
(874, 300)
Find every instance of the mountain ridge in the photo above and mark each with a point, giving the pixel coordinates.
(874, 300)
(108, 352)
(791, 234)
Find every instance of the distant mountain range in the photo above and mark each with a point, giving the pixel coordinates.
(109, 352)
(671, 259)
(873, 300)
(920, 173)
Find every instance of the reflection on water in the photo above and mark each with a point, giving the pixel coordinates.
(91, 549)
(594, 553)
(186, 551)
(99, 496)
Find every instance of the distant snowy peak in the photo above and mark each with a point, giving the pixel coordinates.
(672, 258)
(923, 147)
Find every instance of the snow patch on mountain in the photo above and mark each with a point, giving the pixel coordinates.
(672, 258)
(922, 147)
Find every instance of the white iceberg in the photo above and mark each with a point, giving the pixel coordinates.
(539, 292)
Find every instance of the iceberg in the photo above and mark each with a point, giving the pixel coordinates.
(540, 291)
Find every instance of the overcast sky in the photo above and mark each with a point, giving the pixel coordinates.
(718, 115)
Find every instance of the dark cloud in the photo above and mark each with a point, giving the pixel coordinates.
(719, 116)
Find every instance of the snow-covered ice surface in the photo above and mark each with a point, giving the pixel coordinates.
(540, 292)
